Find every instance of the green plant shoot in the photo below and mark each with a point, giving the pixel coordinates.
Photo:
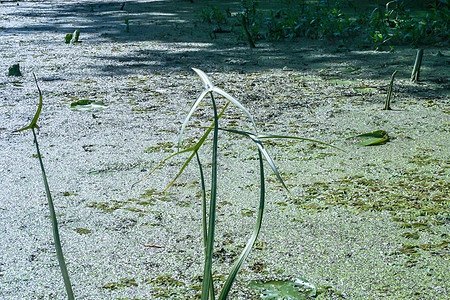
(208, 219)
(59, 252)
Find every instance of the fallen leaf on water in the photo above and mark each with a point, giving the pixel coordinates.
(376, 137)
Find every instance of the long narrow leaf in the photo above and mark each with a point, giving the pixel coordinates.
(237, 103)
(272, 136)
(203, 186)
(56, 238)
(191, 111)
(208, 83)
(208, 89)
(193, 148)
(270, 162)
(258, 143)
(58, 247)
(251, 242)
(209, 86)
(196, 147)
(181, 171)
(163, 161)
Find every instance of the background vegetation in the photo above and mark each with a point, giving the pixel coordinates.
(362, 24)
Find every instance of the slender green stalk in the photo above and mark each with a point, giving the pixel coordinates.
(212, 209)
(204, 219)
(59, 252)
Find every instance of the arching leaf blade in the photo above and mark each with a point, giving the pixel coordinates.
(33, 123)
(251, 242)
(191, 111)
(260, 146)
(208, 84)
(181, 170)
(275, 136)
(237, 103)
(162, 162)
(270, 162)
(193, 148)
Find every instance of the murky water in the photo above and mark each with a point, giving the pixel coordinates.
(343, 225)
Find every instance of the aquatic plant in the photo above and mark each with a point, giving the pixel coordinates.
(209, 219)
(376, 137)
(213, 15)
(14, 70)
(59, 253)
(380, 29)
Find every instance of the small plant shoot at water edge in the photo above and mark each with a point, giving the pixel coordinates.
(59, 253)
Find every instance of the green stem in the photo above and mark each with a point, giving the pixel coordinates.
(59, 252)
(212, 210)
(204, 219)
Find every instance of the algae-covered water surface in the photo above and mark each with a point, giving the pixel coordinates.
(370, 222)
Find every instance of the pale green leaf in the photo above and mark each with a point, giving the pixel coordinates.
(191, 111)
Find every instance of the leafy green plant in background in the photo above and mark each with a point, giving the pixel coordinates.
(213, 15)
(250, 20)
(59, 253)
(209, 219)
(381, 29)
(127, 25)
(380, 41)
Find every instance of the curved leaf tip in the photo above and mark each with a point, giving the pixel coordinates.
(38, 112)
(208, 84)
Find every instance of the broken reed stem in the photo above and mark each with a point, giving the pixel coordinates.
(387, 104)
(416, 70)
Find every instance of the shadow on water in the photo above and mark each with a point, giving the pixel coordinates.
(182, 40)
